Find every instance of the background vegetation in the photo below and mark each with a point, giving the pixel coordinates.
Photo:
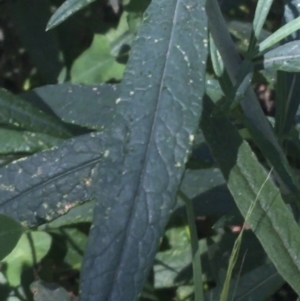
(47, 201)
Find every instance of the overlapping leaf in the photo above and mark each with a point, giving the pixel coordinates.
(285, 58)
(271, 220)
(88, 106)
(157, 114)
(25, 142)
(18, 113)
(44, 186)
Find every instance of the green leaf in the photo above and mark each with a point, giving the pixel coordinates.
(25, 142)
(285, 58)
(42, 187)
(171, 264)
(260, 16)
(31, 248)
(29, 19)
(16, 112)
(156, 117)
(98, 63)
(67, 9)
(88, 106)
(280, 34)
(10, 233)
(271, 220)
(261, 12)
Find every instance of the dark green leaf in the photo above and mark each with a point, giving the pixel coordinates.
(89, 106)
(10, 233)
(19, 113)
(24, 142)
(42, 187)
(157, 116)
(271, 220)
(285, 58)
(30, 18)
(67, 9)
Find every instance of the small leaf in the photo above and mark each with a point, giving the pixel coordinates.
(25, 142)
(10, 233)
(66, 10)
(31, 248)
(19, 113)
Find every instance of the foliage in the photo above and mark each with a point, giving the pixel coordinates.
(136, 144)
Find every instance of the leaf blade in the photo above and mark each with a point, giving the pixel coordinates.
(270, 216)
(146, 109)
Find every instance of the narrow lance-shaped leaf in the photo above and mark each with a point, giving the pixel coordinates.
(261, 12)
(67, 9)
(48, 184)
(271, 220)
(280, 34)
(157, 115)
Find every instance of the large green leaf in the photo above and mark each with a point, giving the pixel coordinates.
(271, 220)
(156, 116)
(16, 112)
(44, 186)
(89, 106)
